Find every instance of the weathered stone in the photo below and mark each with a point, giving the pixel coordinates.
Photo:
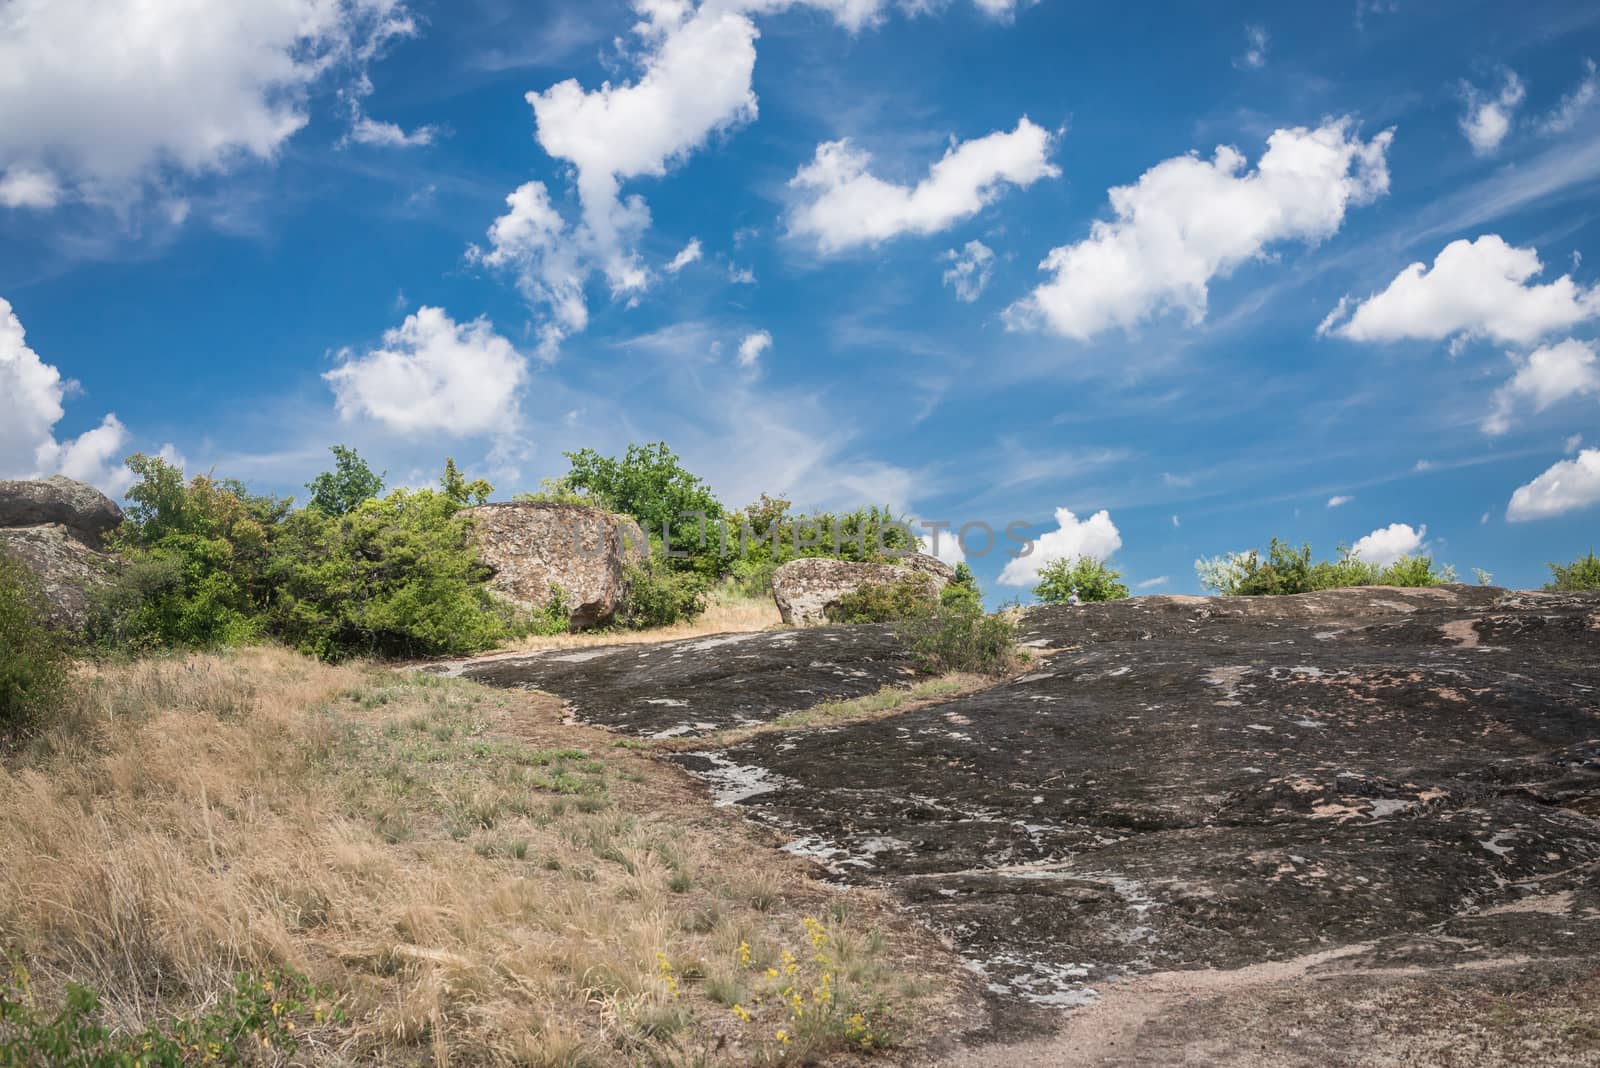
(84, 511)
(806, 588)
(696, 685)
(67, 567)
(533, 546)
(1408, 777)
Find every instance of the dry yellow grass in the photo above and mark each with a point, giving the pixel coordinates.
(725, 614)
(889, 701)
(474, 880)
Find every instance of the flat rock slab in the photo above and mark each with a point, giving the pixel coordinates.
(1186, 783)
(699, 685)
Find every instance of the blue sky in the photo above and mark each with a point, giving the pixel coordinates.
(979, 260)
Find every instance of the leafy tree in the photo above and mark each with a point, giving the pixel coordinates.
(1091, 579)
(1580, 575)
(648, 483)
(351, 481)
(33, 663)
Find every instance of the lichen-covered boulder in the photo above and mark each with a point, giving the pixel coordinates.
(533, 547)
(68, 569)
(805, 588)
(86, 513)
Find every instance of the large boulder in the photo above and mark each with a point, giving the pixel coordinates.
(806, 588)
(68, 569)
(56, 527)
(534, 546)
(86, 513)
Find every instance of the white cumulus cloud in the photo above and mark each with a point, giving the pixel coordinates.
(1566, 486)
(1480, 288)
(1188, 220)
(695, 63)
(843, 204)
(1095, 537)
(969, 270)
(1487, 120)
(753, 345)
(31, 404)
(102, 94)
(1387, 544)
(434, 374)
(547, 259)
(1544, 377)
(1339, 501)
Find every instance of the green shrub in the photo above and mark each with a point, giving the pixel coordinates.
(1581, 575)
(1090, 579)
(659, 596)
(1289, 570)
(885, 602)
(207, 541)
(962, 591)
(208, 563)
(398, 576)
(1414, 571)
(962, 638)
(33, 665)
(555, 617)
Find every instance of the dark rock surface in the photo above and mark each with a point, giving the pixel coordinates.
(698, 685)
(1183, 782)
(86, 513)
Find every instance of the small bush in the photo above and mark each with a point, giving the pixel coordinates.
(659, 596)
(1289, 570)
(33, 667)
(398, 576)
(962, 638)
(1581, 575)
(885, 602)
(1415, 571)
(962, 591)
(1091, 579)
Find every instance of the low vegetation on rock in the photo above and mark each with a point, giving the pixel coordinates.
(1086, 578)
(1580, 576)
(1286, 570)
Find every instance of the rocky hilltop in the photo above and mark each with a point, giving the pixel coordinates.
(1385, 782)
